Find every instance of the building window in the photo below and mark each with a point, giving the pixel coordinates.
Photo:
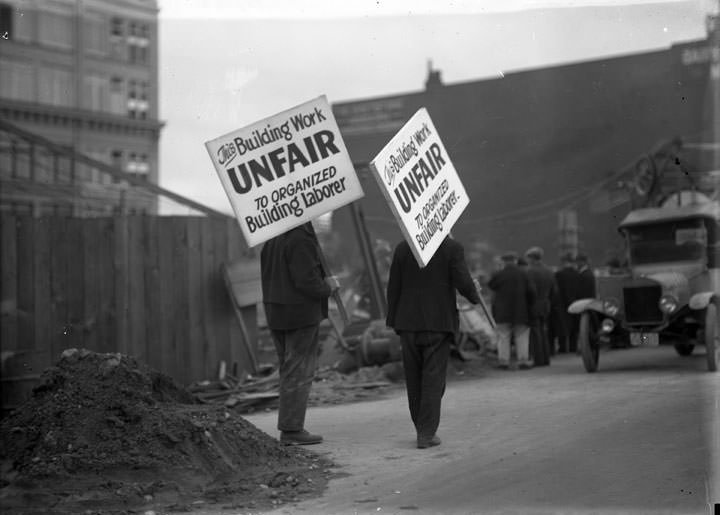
(132, 99)
(55, 29)
(55, 86)
(95, 38)
(6, 19)
(96, 94)
(117, 41)
(117, 96)
(138, 42)
(17, 81)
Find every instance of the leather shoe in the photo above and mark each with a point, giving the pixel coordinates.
(432, 442)
(299, 438)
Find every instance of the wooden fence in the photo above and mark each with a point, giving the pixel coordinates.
(150, 287)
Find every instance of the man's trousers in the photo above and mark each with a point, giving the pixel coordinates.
(425, 357)
(297, 351)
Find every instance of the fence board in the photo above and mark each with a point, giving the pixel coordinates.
(91, 320)
(74, 336)
(197, 344)
(180, 324)
(221, 307)
(25, 282)
(209, 320)
(120, 283)
(136, 288)
(9, 284)
(106, 291)
(41, 282)
(59, 286)
(154, 330)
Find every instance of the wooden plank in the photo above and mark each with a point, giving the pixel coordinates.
(8, 283)
(25, 283)
(74, 335)
(106, 287)
(136, 289)
(209, 319)
(153, 294)
(223, 315)
(180, 314)
(239, 357)
(196, 292)
(168, 335)
(120, 278)
(59, 286)
(42, 305)
(91, 319)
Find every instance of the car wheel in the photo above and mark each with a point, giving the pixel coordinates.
(712, 335)
(684, 349)
(588, 341)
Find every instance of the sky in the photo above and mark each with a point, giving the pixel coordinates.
(226, 64)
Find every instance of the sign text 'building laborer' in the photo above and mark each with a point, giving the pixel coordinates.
(421, 185)
(285, 170)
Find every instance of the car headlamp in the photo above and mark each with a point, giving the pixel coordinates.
(607, 326)
(611, 307)
(668, 304)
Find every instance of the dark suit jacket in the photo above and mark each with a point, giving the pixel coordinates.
(514, 296)
(294, 291)
(545, 289)
(423, 299)
(567, 279)
(586, 284)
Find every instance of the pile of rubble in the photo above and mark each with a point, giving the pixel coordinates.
(102, 433)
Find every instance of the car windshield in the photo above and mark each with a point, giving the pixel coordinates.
(664, 242)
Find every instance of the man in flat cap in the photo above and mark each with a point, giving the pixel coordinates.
(514, 296)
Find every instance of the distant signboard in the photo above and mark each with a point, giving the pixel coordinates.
(421, 185)
(285, 170)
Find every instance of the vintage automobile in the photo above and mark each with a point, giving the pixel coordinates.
(668, 293)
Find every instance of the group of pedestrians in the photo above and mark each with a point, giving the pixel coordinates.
(422, 309)
(530, 306)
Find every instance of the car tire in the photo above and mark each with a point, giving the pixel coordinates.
(711, 334)
(588, 341)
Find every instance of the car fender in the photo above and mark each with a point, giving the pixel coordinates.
(701, 300)
(581, 305)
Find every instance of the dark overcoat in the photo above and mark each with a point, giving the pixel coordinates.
(424, 299)
(295, 293)
(586, 284)
(567, 279)
(544, 281)
(514, 295)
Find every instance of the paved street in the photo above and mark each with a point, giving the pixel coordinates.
(639, 436)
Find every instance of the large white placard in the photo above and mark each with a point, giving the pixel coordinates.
(421, 185)
(285, 170)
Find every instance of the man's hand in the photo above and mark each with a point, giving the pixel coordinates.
(333, 282)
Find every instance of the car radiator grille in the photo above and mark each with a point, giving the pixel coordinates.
(641, 304)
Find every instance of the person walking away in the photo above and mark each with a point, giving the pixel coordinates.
(422, 310)
(295, 295)
(514, 297)
(544, 281)
(567, 279)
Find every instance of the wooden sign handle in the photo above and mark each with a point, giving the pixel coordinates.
(336, 294)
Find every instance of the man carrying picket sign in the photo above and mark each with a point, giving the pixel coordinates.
(422, 310)
(295, 296)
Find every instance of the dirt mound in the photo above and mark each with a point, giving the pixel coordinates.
(104, 432)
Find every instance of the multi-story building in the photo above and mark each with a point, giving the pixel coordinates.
(82, 74)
